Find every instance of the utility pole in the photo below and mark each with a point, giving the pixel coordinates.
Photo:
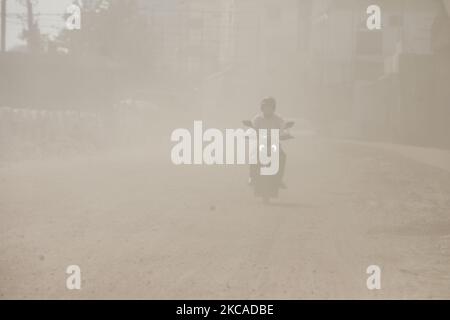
(29, 15)
(3, 26)
(32, 31)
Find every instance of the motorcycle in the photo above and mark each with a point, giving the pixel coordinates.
(267, 186)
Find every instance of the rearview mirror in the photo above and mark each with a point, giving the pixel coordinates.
(289, 124)
(247, 123)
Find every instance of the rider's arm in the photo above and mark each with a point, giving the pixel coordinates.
(256, 121)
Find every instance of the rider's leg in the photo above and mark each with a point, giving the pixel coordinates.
(252, 173)
(283, 158)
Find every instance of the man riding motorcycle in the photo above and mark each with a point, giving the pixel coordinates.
(268, 119)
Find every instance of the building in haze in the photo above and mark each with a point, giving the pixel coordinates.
(382, 80)
(190, 37)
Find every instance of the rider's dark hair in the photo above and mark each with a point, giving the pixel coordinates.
(269, 101)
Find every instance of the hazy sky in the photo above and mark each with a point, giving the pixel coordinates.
(48, 14)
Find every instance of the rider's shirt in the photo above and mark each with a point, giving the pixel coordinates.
(274, 122)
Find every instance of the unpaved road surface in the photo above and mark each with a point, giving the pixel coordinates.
(140, 227)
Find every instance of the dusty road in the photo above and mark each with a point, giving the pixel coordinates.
(141, 228)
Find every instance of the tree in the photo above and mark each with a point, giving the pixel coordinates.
(109, 28)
